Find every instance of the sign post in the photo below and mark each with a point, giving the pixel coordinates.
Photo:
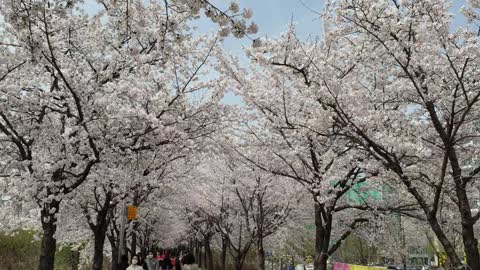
(121, 245)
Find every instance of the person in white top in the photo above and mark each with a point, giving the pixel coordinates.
(134, 265)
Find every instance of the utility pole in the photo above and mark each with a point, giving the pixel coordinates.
(403, 242)
(123, 218)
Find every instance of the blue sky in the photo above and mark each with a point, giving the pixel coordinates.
(274, 16)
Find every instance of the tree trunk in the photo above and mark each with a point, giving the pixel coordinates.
(205, 262)
(49, 243)
(322, 264)
(99, 229)
(99, 241)
(239, 256)
(260, 254)
(114, 239)
(48, 247)
(446, 244)
(223, 256)
(322, 238)
(470, 244)
(239, 262)
(114, 244)
(208, 253)
(199, 254)
(195, 250)
(115, 255)
(191, 246)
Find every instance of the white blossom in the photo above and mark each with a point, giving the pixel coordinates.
(234, 7)
(252, 28)
(247, 13)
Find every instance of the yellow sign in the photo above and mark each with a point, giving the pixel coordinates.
(132, 212)
(362, 267)
(442, 258)
(309, 259)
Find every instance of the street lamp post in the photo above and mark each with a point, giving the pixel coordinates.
(121, 245)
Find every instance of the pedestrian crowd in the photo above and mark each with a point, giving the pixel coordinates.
(159, 261)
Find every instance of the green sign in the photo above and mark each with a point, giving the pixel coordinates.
(360, 193)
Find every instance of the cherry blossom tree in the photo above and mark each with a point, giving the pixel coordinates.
(77, 87)
(398, 85)
(417, 78)
(208, 209)
(49, 125)
(266, 204)
(202, 228)
(292, 137)
(231, 225)
(234, 202)
(96, 200)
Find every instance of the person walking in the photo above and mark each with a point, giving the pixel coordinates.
(188, 262)
(168, 262)
(161, 260)
(176, 263)
(151, 263)
(134, 264)
(160, 256)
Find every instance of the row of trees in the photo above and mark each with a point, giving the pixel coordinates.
(236, 206)
(104, 107)
(390, 93)
(119, 105)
